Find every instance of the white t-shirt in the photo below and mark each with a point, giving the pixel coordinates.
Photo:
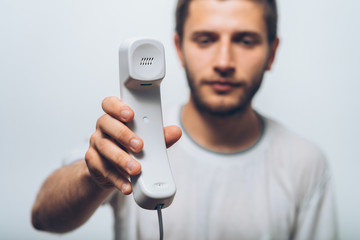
(280, 188)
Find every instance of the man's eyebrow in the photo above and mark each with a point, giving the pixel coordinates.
(247, 33)
(202, 33)
(238, 34)
(255, 35)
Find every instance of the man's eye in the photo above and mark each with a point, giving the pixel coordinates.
(248, 42)
(204, 41)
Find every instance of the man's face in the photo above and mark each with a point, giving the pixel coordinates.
(225, 52)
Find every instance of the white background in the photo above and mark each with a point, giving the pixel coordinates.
(58, 60)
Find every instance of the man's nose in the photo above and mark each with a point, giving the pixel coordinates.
(224, 63)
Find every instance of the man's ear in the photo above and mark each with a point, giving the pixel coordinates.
(177, 42)
(272, 53)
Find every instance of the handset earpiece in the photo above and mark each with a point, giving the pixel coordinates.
(142, 68)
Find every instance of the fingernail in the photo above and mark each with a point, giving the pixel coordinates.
(125, 114)
(124, 187)
(134, 144)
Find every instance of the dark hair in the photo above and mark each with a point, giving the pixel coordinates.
(270, 14)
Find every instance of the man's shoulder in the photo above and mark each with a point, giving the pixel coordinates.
(286, 139)
(290, 148)
(297, 163)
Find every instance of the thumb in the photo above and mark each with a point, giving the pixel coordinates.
(172, 135)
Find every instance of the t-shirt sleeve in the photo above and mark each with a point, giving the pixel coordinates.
(317, 214)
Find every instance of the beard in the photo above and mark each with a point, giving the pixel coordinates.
(222, 109)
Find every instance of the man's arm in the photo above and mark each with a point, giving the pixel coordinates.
(67, 199)
(71, 194)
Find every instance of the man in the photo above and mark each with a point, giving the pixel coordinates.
(239, 175)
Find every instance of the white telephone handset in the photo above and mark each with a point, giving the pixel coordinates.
(142, 68)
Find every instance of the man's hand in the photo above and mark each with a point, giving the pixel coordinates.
(107, 158)
(71, 194)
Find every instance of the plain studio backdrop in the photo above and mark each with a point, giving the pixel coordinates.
(58, 60)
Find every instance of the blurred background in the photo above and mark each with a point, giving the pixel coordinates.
(58, 60)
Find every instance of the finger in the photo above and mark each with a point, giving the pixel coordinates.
(117, 109)
(117, 156)
(120, 133)
(104, 174)
(172, 135)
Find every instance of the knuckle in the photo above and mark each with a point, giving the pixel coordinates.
(101, 145)
(93, 139)
(88, 157)
(91, 159)
(101, 120)
(107, 101)
(110, 103)
(121, 159)
(123, 136)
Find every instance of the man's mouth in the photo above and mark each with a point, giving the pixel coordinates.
(223, 86)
